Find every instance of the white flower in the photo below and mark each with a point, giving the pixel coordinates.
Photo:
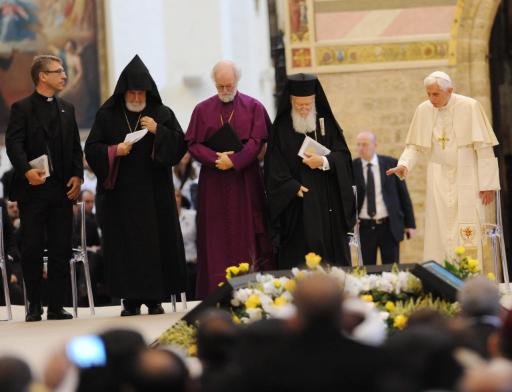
(269, 288)
(254, 314)
(338, 273)
(241, 295)
(353, 285)
(283, 311)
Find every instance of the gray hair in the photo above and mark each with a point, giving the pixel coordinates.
(442, 79)
(236, 70)
(479, 297)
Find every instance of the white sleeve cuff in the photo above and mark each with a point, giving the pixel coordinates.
(326, 165)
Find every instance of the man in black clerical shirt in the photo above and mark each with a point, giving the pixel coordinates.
(42, 124)
(310, 197)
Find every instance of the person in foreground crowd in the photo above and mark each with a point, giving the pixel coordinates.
(453, 134)
(226, 133)
(311, 200)
(143, 246)
(44, 125)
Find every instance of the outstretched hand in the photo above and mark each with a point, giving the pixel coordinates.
(400, 171)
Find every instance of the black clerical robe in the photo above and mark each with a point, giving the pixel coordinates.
(319, 222)
(143, 245)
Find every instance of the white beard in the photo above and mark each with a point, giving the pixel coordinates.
(135, 107)
(304, 124)
(227, 97)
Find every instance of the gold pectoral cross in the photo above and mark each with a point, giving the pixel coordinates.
(443, 140)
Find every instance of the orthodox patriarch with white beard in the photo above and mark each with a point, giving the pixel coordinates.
(311, 202)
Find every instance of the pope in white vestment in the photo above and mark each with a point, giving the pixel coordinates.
(453, 133)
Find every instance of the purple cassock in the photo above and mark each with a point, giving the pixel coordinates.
(230, 223)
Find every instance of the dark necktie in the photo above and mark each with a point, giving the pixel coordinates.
(370, 192)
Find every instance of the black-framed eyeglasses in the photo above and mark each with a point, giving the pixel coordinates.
(56, 71)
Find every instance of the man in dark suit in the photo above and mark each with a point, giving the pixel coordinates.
(42, 124)
(385, 208)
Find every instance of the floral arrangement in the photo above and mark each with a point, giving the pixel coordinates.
(462, 265)
(394, 295)
(181, 335)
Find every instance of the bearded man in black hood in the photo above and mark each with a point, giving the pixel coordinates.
(143, 245)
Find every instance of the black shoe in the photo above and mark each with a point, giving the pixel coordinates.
(130, 311)
(155, 309)
(34, 312)
(58, 314)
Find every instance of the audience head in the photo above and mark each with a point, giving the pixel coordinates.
(318, 299)
(88, 198)
(122, 347)
(15, 375)
(12, 210)
(494, 376)
(226, 75)
(505, 337)
(216, 337)
(479, 297)
(158, 370)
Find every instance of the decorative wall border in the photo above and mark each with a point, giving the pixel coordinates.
(305, 54)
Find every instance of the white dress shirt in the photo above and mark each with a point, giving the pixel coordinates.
(189, 233)
(382, 211)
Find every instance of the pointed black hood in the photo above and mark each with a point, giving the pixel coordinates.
(135, 76)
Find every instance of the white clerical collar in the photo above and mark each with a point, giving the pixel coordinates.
(374, 161)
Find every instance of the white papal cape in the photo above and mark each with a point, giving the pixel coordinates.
(457, 141)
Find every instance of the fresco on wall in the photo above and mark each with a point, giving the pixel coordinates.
(65, 28)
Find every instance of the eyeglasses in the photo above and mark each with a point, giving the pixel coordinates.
(56, 71)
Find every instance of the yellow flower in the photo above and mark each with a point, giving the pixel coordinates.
(280, 301)
(290, 285)
(277, 283)
(252, 302)
(473, 265)
(243, 267)
(491, 276)
(460, 250)
(390, 306)
(192, 350)
(400, 321)
(313, 260)
(367, 298)
(232, 271)
(236, 319)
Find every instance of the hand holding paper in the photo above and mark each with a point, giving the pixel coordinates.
(39, 172)
(134, 137)
(312, 146)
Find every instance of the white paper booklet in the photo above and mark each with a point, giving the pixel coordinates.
(134, 137)
(41, 163)
(312, 146)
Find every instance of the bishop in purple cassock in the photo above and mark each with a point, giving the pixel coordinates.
(230, 223)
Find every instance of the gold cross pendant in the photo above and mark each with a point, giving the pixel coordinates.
(443, 140)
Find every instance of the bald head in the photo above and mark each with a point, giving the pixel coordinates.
(226, 75)
(366, 145)
(318, 299)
